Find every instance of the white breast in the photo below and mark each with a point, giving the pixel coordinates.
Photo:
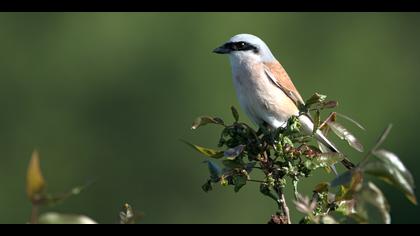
(258, 96)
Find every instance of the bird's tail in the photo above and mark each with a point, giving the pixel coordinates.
(308, 127)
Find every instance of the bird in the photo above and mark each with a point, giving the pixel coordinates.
(264, 89)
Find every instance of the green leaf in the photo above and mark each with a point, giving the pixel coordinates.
(316, 98)
(286, 140)
(293, 124)
(350, 182)
(207, 187)
(233, 164)
(344, 134)
(232, 153)
(206, 151)
(317, 120)
(204, 120)
(35, 182)
(57, 218)
(388, 167)
(235, 113)
(266, 190)
(372, 205)
(239, 181)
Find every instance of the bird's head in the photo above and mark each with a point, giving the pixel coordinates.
(246, 47)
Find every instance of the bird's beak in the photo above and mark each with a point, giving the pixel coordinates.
(221, 50)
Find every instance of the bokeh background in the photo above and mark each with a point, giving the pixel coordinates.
(108, 96)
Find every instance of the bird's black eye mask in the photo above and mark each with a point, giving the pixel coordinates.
(241, 46)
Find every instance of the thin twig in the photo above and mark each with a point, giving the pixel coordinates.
(284, 209)
(256, 181)
(34, 214)
(378, 144)
(283, 205)
(295, 188)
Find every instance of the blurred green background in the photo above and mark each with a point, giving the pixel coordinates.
(107, 96)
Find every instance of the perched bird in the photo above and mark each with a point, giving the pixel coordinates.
(264, 89)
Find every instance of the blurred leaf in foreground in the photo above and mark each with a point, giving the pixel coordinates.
(57, 218)
(388, 167)
(344, 134)
(372, 206)
(129, 216)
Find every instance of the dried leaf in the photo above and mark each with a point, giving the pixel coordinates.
(206, 151)
(35, 183)
(204, 120)
(322, 187)
(329, 104)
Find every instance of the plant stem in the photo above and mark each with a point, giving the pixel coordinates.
(34, 214)
(295, 188)
(377, 145)
(284, 209)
